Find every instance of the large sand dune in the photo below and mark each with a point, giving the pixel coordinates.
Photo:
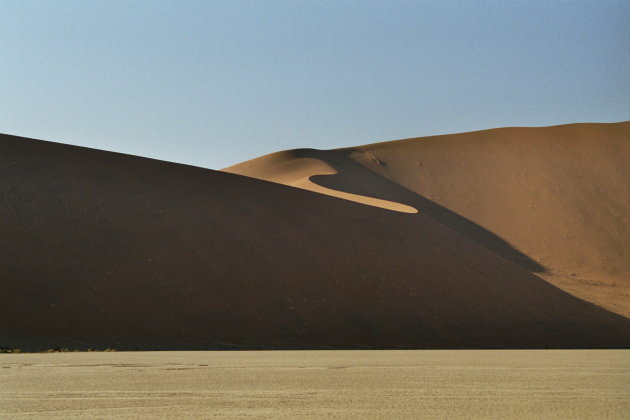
(100, 249)
(554, 200)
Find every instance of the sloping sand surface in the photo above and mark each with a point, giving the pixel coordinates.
(553, 200)
(290, 168)
(108, 250)
(560, 195)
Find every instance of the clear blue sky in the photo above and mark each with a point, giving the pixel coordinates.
(212, 83)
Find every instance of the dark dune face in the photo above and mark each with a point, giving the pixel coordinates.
(552, 200)
(99, 249)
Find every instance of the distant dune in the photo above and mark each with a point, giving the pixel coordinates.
(101, 249)
(555, 200)
(297, 167)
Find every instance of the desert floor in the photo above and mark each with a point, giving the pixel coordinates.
(318, 384)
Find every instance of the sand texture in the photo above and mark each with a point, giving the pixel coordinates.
(296, 167)
(543, 384)
(101, 250)
(554, 200)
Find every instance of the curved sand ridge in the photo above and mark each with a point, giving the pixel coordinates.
(289, 168)
(553, 200)
(101, 249)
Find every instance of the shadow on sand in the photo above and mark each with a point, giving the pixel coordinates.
(355, 178)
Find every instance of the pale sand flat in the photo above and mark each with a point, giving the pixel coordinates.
(545, 384)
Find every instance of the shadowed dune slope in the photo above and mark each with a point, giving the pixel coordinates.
(560, 195)
(297, 168)
(554, 200)
(100, 249)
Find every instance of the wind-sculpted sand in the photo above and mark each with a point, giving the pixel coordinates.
(100, 249)
(553, 200)
(560, 195)
(285, 168)
(554, 384)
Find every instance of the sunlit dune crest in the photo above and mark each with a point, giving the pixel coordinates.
(285, 168)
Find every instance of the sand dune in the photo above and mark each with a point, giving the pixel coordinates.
(560, 195)
(294, 169)
(553, 200)
(100, 249)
